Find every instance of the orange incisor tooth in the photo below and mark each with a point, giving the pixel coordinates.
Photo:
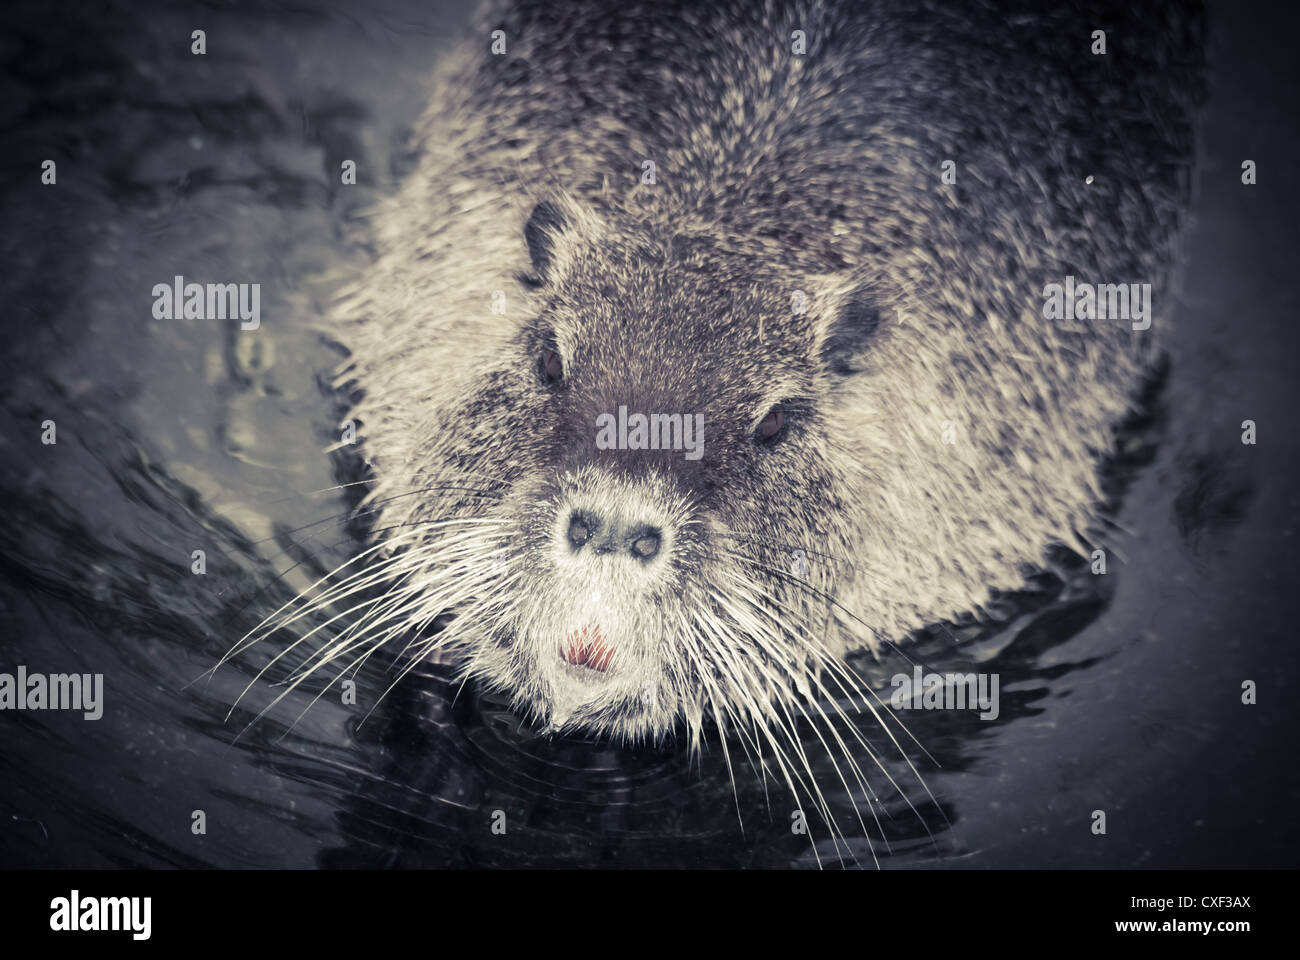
(600, 653)
(593, 653)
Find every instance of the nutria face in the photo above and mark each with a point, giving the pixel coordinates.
(645, 456)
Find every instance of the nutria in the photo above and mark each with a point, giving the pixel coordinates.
(707, 343)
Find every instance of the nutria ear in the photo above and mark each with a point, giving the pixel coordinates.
(544, 224)
(853, 326)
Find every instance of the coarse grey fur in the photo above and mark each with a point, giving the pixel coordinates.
(798, 248)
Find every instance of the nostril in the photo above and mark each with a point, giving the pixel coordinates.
(646, 544)
(581, 529)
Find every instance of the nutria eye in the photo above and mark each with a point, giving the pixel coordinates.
(770, 427)
(552, 368)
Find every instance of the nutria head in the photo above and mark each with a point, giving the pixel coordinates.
(618, 506)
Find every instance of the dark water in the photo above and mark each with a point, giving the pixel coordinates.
(1120, 693)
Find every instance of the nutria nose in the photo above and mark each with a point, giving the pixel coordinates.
(607, 536)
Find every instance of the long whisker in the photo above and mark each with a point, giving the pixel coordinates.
(824, 596)
(817, 650)
(867, 702)
(760, 634)
(390, 607)
(358, 512)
